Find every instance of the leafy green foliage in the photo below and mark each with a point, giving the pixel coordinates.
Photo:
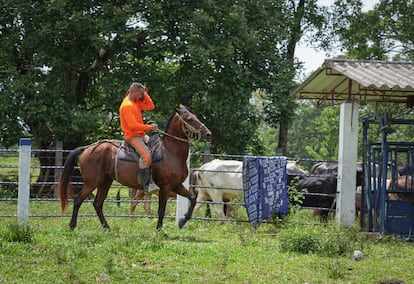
(304, 137)
(8, 187)
(17, 233)
(336, 270)
(66, 65)
(295, 197)
(383, 33)
(327, 240)
(326, 127)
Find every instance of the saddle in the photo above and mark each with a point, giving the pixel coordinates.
(128, 153)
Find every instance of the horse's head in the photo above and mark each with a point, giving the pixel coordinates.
(192, 126)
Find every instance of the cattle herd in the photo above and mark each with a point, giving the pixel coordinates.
(220, 182)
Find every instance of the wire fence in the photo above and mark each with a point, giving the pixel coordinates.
(45, 169)
(43, 189)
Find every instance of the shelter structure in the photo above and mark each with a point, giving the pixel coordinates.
(350, 83)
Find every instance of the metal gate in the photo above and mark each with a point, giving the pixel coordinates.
(388, 189)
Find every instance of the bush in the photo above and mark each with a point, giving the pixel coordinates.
(16, 233)
(295, 197)
(328, 240)
(299, 239)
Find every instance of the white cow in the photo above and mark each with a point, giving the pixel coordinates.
(222, 181)
(219, 180)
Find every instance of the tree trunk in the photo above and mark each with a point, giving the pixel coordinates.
(296, 30)
(283, 138)
(44, 184)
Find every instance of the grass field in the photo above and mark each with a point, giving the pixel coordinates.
(297, 250)
(46, 251)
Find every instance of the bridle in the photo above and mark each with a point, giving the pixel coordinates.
(189, 131)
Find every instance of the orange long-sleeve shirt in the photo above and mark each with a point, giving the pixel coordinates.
(131, 116)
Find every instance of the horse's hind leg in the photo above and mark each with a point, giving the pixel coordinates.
(98, 202)
(139, 194)
(82, 195)
(147, 203)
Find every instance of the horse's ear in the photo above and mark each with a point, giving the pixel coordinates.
(180, 108)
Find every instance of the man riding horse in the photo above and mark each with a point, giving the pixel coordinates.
(133, 126)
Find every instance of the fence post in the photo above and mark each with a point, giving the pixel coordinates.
(24, 180)
(182, 202)
(206, 156)
(347, 160)
(58, 164)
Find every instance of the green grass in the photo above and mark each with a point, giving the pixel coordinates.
(9, 168)
(46, 251)
(297, 250)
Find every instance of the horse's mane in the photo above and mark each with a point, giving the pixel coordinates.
(168, 123)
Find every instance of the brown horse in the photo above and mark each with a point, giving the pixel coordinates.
(404, 185)
(98, 168)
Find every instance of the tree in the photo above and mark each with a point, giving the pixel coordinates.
(66, 66)
(383, 33)
(303, 131)
(225, 53)
(299, 17)
(53, 57)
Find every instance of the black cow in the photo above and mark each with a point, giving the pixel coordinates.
(405, 170)
(331, 169)
(320, 193)
(323, 189)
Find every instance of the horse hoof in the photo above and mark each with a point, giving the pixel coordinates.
(181, 223)
(162, 233)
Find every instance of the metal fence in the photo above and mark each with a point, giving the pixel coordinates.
(42, 188)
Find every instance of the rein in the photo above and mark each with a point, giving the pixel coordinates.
(173, 136)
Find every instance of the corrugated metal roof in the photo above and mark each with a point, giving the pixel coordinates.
(360, 80)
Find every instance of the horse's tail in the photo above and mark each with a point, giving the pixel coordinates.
(64, 185)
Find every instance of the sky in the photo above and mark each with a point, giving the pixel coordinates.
(312, 58)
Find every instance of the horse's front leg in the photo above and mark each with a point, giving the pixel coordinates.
(162, 203)
(181, 190)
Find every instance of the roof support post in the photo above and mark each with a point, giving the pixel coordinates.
(347, 160)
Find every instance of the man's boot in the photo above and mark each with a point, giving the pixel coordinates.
(143, 176)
